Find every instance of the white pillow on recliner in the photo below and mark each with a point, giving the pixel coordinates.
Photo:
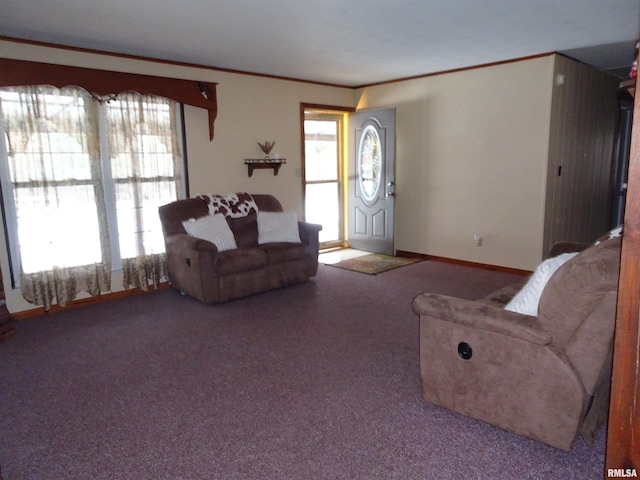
(213, 228)
(527, 299)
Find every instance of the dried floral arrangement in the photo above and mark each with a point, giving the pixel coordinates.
(266, 147)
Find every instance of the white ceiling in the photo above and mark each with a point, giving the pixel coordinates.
(343, 42)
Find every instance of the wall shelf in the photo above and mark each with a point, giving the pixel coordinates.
(262, 163)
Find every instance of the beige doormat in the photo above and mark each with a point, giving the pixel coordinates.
(374, 263)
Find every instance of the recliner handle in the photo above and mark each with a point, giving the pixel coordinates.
(465, 351)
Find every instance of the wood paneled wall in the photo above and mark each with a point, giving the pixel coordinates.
(584, 113)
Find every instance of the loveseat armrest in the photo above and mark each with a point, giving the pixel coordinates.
(309, 232)
(182, 241)
(481, 316)
(193, 265)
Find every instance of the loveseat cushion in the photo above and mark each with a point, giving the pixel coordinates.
(284, 252)
(245, 230)
(241, 260)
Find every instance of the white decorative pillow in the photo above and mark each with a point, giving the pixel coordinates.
(278, 227)
(213, 228)
(527, 299)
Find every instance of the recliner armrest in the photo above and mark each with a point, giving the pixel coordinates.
(482, 316)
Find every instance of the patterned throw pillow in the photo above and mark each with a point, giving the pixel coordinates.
(278, 227)
(213, 228)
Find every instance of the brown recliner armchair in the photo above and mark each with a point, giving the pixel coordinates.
(545, 377)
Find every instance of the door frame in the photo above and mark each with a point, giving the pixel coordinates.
(344, 159)
(623, 432)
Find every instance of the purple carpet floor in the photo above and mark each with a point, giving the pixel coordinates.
(315, 381)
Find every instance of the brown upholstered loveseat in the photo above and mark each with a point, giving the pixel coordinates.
(199, 269)
(544, 376)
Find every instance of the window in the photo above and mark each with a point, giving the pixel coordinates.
(82, 181)
(146, 169)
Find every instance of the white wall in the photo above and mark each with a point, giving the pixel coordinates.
(471, 156)
(471, 149)
(250, 109)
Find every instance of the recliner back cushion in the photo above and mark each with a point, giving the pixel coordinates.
(267, 203)
(527, 299)
(173, 214)
(245, 229)
(577, 289)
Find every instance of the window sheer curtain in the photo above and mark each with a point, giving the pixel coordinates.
(85, 180)
(54, 163)
(146, 167)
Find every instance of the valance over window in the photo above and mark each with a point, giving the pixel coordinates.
(104, 84)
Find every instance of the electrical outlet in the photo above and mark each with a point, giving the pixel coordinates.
(478, 239)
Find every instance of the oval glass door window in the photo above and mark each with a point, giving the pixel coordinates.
(369, 162)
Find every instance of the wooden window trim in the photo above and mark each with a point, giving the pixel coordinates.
(103, 84)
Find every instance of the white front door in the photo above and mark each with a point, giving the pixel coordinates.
(372, 180)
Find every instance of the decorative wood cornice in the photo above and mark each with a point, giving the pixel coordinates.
(104, 84)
